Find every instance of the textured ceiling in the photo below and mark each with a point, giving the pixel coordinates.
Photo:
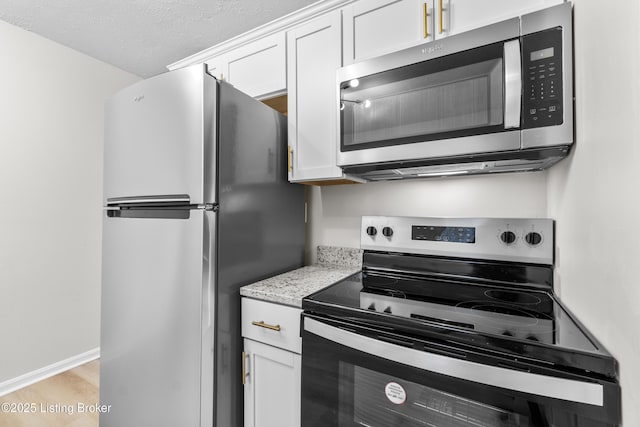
(142, 36)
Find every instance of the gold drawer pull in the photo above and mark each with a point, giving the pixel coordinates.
(441, 9)
(425, 17)
(266, 325)
(244, 368)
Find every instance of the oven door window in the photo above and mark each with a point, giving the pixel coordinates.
(456, 95)
(381, 400)
(346, 387)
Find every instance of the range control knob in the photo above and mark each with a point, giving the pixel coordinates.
(372, 231)
(387, 231)
(533, 238)
(508, 237)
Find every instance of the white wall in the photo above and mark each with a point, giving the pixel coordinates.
(334, 212)
(51, 128)
(595, 196)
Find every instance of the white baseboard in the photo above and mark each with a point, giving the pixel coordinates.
(32, 377)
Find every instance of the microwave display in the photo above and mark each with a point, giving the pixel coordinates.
(541, 54)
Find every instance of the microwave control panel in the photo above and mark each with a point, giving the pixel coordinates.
(542, 79)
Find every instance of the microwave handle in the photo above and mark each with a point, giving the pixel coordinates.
(527, 382)
(512, 84)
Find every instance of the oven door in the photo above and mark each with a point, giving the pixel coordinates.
(359, 376)
(460, 96)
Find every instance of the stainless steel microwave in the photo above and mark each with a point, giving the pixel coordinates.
(495, 99)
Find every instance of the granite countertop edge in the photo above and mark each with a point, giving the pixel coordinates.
(334, 264)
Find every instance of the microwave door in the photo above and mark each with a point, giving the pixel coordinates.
(464, 103)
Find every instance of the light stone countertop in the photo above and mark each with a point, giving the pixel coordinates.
(334, 264)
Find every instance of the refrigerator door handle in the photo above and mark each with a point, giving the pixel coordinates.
(156, 208)
(213, 207)
(161, 200)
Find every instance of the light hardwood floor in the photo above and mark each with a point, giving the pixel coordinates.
(55, 402)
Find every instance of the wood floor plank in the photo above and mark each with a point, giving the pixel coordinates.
(59, 401)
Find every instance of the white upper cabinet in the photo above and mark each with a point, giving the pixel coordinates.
(457, 16)
(300, 53)
(258, 68)
(376, 27)
(314, 55)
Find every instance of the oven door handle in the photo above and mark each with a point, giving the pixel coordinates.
(526, 382)
(512, 84)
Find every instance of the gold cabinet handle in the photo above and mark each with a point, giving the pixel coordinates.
(289, 158)
(425, 17)
(266, 325)
(244, 368)
(440, 16)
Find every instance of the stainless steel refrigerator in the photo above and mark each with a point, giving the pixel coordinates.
(197, 204)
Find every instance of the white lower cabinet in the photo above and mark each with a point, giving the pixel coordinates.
(272, 386)
(271, 364)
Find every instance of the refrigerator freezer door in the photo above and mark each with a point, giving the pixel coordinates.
(157, 325)
(260, 226)
(159, 136)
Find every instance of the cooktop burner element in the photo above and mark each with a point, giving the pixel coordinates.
(513, 297)
(480, 316)
(429, 278)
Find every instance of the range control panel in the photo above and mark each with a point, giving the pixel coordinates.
(443, 234)
(542, 79)
(500, 239)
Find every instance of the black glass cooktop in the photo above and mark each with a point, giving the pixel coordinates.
(523, 322)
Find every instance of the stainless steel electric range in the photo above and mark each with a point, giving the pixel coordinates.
(453, 322)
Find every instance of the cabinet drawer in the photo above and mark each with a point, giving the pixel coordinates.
(258, 315)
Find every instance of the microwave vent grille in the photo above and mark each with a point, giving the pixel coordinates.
(460, 169)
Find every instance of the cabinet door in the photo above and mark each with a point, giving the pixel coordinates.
(272, 386)
(259, 68)
(457, 16)
(314, 55)
(376, 27)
